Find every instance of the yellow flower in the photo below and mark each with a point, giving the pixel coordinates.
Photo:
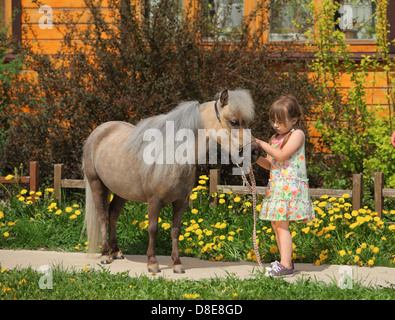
(391, 227)
(193, 196)
(356, 258)
(49, 189)
(221, 201)
(371, 262)
(191, 296)
(6, 234)
(1, 214)
(72, 217)
(230, 238)
(181, 237)
(9, 177)
(363, 245)
(342, 253)
(69, 209)
(23, 191)
(58, 212)
(347, 216)
(143, 224)
(353, 225)
(358, 251)
(349, 234)
(273, 249)
(346, 195)
(202, 181)
(194, 211)
(237, 199)
(165, 225)
(78, 212)
(248, 204)
(375, 250)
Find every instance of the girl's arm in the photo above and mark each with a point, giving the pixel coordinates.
(295, 141)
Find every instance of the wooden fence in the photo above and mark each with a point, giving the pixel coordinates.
(59, 182)
(355, 193)
(33, 179)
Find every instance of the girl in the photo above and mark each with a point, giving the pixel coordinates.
(287, 196)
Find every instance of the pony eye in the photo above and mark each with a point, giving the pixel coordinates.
(234, 123)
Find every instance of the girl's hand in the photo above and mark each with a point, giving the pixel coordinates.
(393, 138)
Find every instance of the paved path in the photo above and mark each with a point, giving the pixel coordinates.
(195, 268)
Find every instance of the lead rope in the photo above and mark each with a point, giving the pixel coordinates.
(252, 186)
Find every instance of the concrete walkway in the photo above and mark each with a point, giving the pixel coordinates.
(195, 268)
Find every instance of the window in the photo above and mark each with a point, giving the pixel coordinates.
(224, 15)
(358, 19)
(289, 19)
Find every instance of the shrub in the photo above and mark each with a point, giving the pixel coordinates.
(134, 68)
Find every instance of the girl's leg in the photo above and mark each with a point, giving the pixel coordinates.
(274, 227)
(284, 241)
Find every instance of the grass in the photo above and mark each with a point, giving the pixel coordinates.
(339, 235)
(22, 284)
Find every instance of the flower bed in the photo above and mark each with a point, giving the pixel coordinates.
(338, 235)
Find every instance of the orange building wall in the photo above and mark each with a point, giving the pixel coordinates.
(50, 41)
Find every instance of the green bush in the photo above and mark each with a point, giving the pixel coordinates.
(133, 69)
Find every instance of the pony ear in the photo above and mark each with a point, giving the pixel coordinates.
(224, 98)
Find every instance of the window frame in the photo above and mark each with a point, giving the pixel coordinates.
(16, 27)
(369, 43)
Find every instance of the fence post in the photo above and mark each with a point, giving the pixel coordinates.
(58, 176)
(34, 178)
(215, 175)
(378, 193)
(357, 187)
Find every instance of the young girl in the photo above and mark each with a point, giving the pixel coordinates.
(287, 196)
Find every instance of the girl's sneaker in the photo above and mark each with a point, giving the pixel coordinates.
(278, 270)
(268, 270)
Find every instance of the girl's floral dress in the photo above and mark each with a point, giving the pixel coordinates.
(287, 194)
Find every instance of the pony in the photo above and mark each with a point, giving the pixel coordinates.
(124, 159)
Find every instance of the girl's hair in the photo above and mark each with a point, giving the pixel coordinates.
(285, 109)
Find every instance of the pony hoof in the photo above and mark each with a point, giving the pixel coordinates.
(179, 268)
(105, 259)
(153, 268)
(117, 255)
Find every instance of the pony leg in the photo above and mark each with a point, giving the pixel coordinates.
(100, 198)
(154, 207)
(179, 207)
(116, 206)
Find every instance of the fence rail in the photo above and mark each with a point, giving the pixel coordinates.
(33, 179)
(356, 193)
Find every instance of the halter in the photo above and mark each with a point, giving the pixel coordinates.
(216, 111)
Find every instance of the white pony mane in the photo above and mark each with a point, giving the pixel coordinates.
(185, 116)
